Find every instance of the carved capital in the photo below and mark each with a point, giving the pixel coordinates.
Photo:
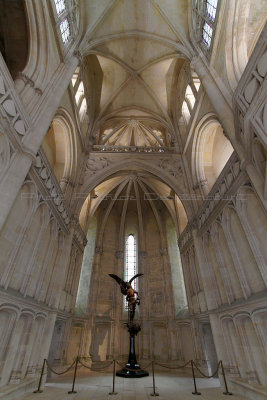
(142, 254)
(119, 254)
(98, 250)
(163, 251)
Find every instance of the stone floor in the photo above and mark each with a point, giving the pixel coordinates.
(96, 386)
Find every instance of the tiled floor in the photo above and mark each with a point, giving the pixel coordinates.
(96, 386)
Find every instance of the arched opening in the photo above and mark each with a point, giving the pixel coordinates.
(13, 35)
(59, 147)
(211, 151)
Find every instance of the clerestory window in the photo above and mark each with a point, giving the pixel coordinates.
(130, 267)
(78, 88)
(209, 20)
(66, 11)
(205, 20)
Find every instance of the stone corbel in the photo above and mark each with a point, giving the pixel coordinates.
(25, 79)
(142, 254)
(119, 254)
(163, 251)
(98, 250)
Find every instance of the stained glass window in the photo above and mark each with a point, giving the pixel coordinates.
(207, 34)
(130, 261)
(60, 6)
(209, 21)
(63, 20)
(65, 30)
(211, 7)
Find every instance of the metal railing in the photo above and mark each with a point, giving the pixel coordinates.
(114, 362)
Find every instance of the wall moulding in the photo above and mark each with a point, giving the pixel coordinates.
(250, 97)
(15, 299)
(10, 104)
(224, 191)
(186, 239)
(42, 174)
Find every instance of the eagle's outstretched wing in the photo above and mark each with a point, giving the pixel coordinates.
(119, 280)
(121, 283)
(134, 277)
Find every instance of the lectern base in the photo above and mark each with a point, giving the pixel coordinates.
(138, 373)
(132, 364)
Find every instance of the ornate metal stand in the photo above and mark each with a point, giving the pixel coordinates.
(132, 368)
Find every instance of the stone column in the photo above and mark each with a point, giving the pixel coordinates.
(60, 269)
(204, 271)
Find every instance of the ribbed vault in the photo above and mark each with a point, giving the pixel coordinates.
(138, 46)
(137, 191)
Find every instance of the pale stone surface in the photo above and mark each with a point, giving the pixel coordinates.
(138, 120)
(98, 386)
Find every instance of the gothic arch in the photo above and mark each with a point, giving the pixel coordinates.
(14, 46)
(60, 147)
(103, 171)
(245, 21)
(208, 159)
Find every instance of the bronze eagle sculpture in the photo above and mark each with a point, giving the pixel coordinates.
(129, 292)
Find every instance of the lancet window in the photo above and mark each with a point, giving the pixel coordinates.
(78, 88)
(130, 268)
(66, 11)
(205, 20)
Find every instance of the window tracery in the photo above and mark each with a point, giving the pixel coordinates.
(191, 91)
(66, 11)
(205, 13)
(79, 93)
(130, 267)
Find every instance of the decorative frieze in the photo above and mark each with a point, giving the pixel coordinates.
(10, 105)
(133, 149)
(79, 237)
(186, 239)
(251, 95)
(50, 189)
(222, 192)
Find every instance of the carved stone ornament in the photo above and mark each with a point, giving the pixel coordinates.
(4, 153)
(119, 254)
(172, 165)
(95, 164)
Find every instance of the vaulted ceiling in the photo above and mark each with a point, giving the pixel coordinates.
(139, 45)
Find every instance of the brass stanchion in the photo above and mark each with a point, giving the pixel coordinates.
(193, 373)
(41, 378)
(74, 377)
(225, 383)
(113, 383)
(154, 386)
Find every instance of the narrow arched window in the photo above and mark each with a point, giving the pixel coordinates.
(66, 12)
(209, 21)
(130, 268)
(205, 20)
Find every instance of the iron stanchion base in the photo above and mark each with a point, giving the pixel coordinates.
(228, 393)
(72, 392)
(197, 393)
(111, 393)
(138, 373)
(38, 391)
(154, 394)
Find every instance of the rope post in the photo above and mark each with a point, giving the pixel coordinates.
(193, 373)
(41, 378)
(74, 376)
(113, 383)
(225, 383)
(154, 386)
